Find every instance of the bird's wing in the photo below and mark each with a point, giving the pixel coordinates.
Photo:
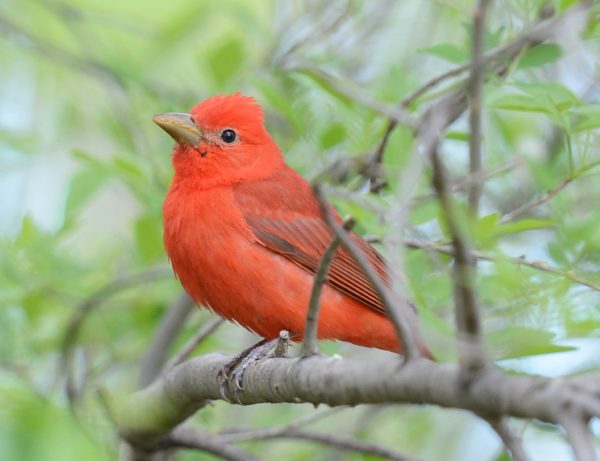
(299, 232)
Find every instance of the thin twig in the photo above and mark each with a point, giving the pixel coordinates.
(311, 325)
(538, 265)
(294, 430)
(186, 437)
(498, 59)
(394, 307)
(170, 325)
(579, 436)
(333, 440)
(106, 405)
(512, 443)
(302, 422)
(86, 307)
(318, 33)
(204, 332)
(466, 302)
(520, 211)
(474, 95)
(461, 184)
(398, 114)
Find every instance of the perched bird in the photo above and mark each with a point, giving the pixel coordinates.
(245, 233)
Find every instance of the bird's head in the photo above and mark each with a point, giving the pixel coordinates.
(221, 141)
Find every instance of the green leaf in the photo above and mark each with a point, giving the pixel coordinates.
(559, 94)
(491, 39)
(398, 149)
(586, 117)
(424, 213)
(83, 187)
(439, 334)
(333, 135)
(458, 136)
(29, 232)
(503, 456)
(447, 52)
(314, 80)
(35, 427)
(514, 341)
(548, 98)
(564, 5)
(226, 60)
(540, 55)
(520, 102)
(581, 327)
(277, 98)
(88, 159)
(148, 237)
(128, 168)
(486, 230)
(557, 251)
(523, 225)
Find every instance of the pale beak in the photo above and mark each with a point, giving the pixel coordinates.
(180, 127)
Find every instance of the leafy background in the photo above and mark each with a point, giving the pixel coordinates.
(83, 172)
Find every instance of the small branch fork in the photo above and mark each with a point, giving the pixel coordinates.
(467, 309)
(221, 443)
(497, 59)
(86, 308)
(469, 333)
(396, 307)
(173, 320)
(203, 332)
(512, 443)
(518, 261)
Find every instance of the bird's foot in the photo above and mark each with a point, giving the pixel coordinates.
(231, 375)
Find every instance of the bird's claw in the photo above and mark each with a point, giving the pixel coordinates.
(232, 374)
(230, 382)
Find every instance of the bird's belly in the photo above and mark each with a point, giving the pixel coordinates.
(246, 283)
(266, 293)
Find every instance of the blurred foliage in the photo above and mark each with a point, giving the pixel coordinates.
(84, 171)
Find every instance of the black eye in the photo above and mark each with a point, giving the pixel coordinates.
(228, 136)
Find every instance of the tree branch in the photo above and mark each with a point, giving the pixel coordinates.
(154, 411)
(395, 307)
(579, 436)
(203, 332)
(312, 314)
(185, 437)
(520, 211)
(497, 59)
(469, 334)
(521, 261)
(333, 440)
(87, 306)
(467, 310)
(295, 430)
(168, 329)
(512, 443)
(474, 96)
(397, 114)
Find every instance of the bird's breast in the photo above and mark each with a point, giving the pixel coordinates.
(203, 231)
(221, 265)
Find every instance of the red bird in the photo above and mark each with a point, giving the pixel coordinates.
(245, 233)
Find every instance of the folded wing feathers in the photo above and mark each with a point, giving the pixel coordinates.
(303, 240)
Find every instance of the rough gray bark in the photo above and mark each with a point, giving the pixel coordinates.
(154, 411)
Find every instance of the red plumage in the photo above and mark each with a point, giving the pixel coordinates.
(245, 235)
